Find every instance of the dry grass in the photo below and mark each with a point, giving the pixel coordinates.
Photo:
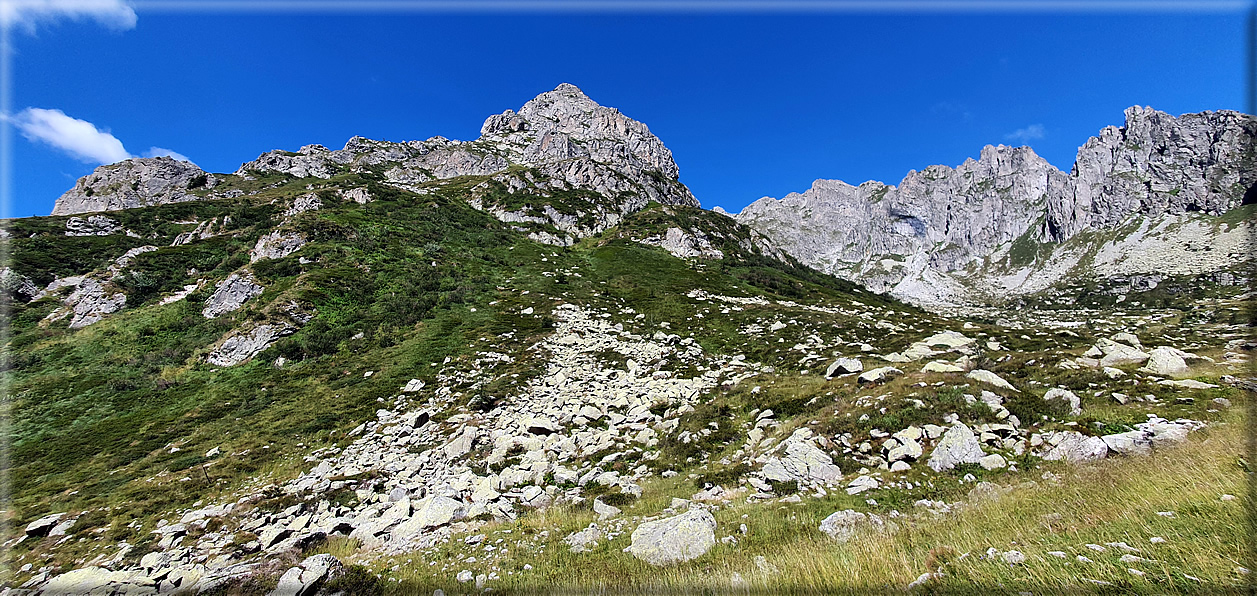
(1116, 500)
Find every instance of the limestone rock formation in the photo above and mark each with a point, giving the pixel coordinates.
(568, 139)
(1000, 224)
(135, 182)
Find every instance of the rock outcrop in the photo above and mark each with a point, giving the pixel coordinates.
(584, 166)
(135, 182)
(979, 230)
(566, 140)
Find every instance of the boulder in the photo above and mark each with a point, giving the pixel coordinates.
(843, 525)
(1075, 447)
(604, 510)
(42, 526)
(674, 539)
(878, 375)
(584, 540)
(1134, 442)
(306, 578)
(230, 294)
(1165, 361)
(1117, 354)
(276, 245)
(938, 366)
(241, 345)
(1056, 394)
(97, 580)
(958, 445)
(801, 461)
(843, 366)
(990, 378)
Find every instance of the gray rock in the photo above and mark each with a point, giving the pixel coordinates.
(92, 225)
(958, 445)
(843, 366)
(842, 526)
(230, 294)
(240, 346)
(584, 540)
(684, 244)
(1165, 361)
(990, 378)
(604, 510)
(878, 375)
(909, 239)
(1067, 397)
(1117, 354)
(42, 526)
(1075, 447)
(91, 301)
(801, 461)
(276, 245)
(306, 578)
(1135, 442)
(97, 580)
(16, 285)
(135, 182)
(674, 539)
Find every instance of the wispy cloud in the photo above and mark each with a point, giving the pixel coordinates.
(163, 152)
(949, 110)
(79, 139)
(113, 14)
(1027, 134)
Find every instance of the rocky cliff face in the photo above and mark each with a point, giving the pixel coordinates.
(989, 226)
(559, 142)
(136, 182)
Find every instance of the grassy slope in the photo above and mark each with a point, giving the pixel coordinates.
(120, 414)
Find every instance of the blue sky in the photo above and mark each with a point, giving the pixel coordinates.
(752, 104)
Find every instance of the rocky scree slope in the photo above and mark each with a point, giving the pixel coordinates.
(562, 167)
(1139, 197)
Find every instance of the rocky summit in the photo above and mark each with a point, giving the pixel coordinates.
(531, 363)
(1141, 205)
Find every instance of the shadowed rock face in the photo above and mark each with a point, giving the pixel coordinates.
(136, 182)
(941, 220)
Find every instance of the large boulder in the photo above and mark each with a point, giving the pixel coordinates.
(674, 539)
(990, 378)
(1165, 361)
(306, 578)
(43, 526)
(801, 461)
(958, 446)
(843, 366)
(1066, 397)
(1116, 353)
(240, 346)
(878, 375)
(1074, 447)
(843, 525)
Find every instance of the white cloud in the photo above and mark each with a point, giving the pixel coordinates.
(113, 14)
(1027, 134)
(78, 138)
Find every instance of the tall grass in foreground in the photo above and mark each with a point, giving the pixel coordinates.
(1116, 500)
